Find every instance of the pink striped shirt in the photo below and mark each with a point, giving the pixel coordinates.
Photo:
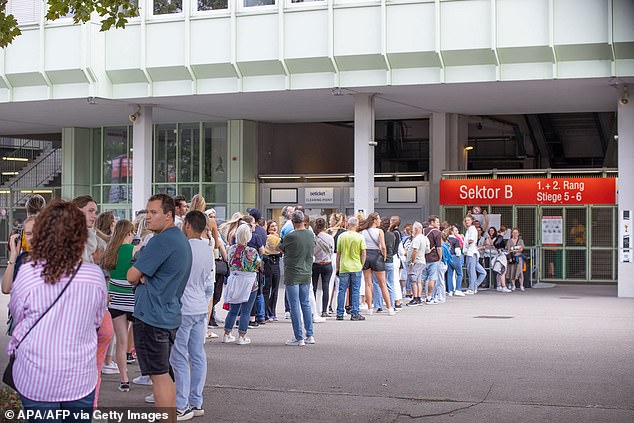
(57, 360)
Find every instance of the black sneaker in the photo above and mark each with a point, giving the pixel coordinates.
(253, 325)
(130, 358)
(261, 322)
(198, 411)
(330, 310)
(348, 309)
(357, 317)
(378, 310)
(186, 414)
(398, 305)
(124, 386)
(324, 314)
(339, 317)
(413, 302)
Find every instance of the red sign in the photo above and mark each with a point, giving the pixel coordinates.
(530, 191)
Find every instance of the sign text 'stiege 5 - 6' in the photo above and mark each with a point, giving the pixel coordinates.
(542, 191)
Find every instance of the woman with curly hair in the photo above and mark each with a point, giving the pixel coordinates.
(56, 277)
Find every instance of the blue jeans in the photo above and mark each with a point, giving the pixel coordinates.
(188, 349)
(245, 311)
(473, 268)
(352, 280)
(299, 299)
(454, 265)
(389, 281)
(259, 308)
(77, 409)
(377, 295)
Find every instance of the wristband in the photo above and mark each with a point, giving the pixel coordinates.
(10, 262)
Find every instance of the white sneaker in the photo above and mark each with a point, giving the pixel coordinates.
(469, 292)
(110, 368)
(243, 340)
(150, 399)
(142, 380)
(287, 315)
(219, 320)
(433, 301)
(318, 319)
(228, 338)
(295, 342)
(499, 288)
(458, 293)
(391, 312)
(506, 290)
(182, 415)
(363, 306)
(309, 340)
(522, 288)
(450, 293)
(211, 334)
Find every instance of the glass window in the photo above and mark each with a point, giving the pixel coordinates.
(215, 153)
(25, 11)
(165, 189)
(113, 194)
(117, 165)
(96, 156)
(211, 4)
(250, 3)
(188, 191)
(164, 7)
(165, 154)
(215, 194)
(189, 154)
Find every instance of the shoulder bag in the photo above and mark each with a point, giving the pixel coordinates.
(7, 377)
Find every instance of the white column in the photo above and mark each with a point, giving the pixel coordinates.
(142, 159)
(364, 152)
(625, 192)
(438, 160)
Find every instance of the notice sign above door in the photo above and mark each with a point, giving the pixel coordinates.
(319, 195)
(533, 191)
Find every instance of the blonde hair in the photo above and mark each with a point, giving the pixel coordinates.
(198, 203)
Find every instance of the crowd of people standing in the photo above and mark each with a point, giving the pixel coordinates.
(112, 292)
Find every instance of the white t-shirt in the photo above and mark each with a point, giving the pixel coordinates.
(421, 244)
(471, 235)
(193, 299)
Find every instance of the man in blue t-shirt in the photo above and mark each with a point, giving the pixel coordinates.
(160, 275)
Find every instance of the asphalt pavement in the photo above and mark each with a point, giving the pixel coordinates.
(562, 354)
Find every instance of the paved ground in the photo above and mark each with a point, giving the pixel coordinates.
(562, 354)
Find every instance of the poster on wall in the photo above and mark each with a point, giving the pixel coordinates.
(626, 236)
(552, 230)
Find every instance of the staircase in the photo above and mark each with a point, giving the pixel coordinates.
(44, 167)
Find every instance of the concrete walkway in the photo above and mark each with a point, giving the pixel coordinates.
(564, 354)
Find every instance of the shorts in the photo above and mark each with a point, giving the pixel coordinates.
(431, 271)
(116, 313)
(374, 260)
(153, 346)
(414, 272)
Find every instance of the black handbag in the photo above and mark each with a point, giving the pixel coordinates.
(222, 268)
(7, 377)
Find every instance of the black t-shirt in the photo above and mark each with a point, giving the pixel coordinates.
(389, 246)
(336, 235)
(435, 244)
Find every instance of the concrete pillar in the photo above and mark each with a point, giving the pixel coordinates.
(625, 196)
(76, 162)
(364, 152)
(142, 131)
(242, 168)
(449, 135)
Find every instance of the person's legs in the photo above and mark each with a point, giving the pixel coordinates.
(471, 272)
(380, 278)
(450, 272)
(164, 390)
(179, 361)
(266, 291)
(377, 301)
(355, 285)
(245, 308)
(344, 282)
(83, 406)
(275, 286)
(42, 407)
(198, 361)
(326, 274)
(260, 309)
(120, 324)
(230, 320)
(389, 281)
(104, 337)
(304, 300)
(315, 277)
(367, 277)
(292, 291)
(481, 273)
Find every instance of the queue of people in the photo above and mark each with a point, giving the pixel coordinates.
(114, 292)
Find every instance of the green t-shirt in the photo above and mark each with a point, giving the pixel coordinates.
(350, 245)
(124, 256)
(298, 247)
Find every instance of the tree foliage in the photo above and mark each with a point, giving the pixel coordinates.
(113, 13)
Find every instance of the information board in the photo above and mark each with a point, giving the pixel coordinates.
(552, 230)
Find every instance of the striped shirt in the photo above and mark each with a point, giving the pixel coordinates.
(58, 360)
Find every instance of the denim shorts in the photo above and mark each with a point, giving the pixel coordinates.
(431, 271)
(374, 260)
(153, 346)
